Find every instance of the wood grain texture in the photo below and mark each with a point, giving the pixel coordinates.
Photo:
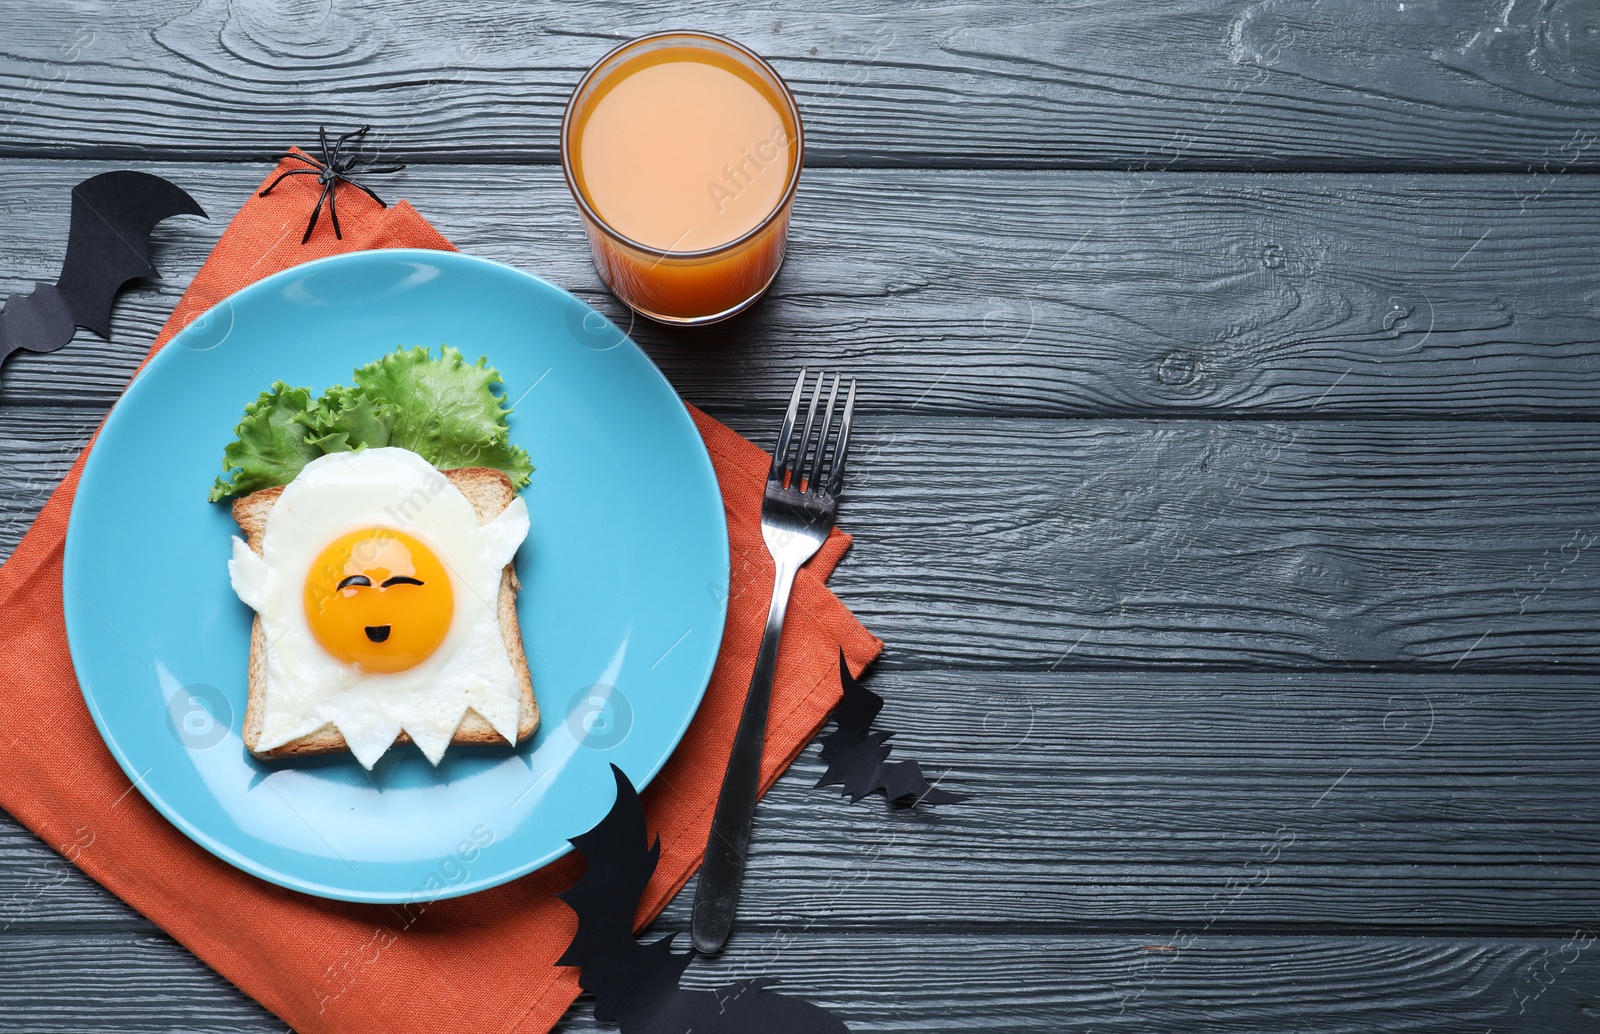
(1165, 84)
(1038, 544)
(1088, 295)
(1065, 544)
(1002, 983)
(1150, 802)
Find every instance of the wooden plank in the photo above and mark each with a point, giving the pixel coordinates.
(1168, 84)
(1003, 982)
(1088, 295)
(1148, 802)
(1051, 544)
(126, 982)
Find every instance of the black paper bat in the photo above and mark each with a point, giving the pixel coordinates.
(636, 985)
(107, 245)
(857, 756)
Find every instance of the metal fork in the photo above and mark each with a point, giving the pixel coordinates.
(796, 515)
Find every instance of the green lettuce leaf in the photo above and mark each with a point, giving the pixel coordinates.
(502, 456)
(272, 445)
(344, 419)
(446, 410)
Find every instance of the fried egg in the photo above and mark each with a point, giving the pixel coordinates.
(378, 592)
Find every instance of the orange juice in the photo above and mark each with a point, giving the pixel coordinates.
(683, 151)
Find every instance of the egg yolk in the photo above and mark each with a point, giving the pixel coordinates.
(379, 599)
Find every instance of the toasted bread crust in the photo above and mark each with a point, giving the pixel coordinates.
(489, 491)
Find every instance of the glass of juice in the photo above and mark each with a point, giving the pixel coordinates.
(683, 150)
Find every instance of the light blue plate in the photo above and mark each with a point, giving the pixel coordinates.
(625, 578)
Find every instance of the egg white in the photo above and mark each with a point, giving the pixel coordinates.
(306, 687)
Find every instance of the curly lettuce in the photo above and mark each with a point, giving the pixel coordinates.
(343, 419)
(272, 443)
(450, 412)
(446, 410)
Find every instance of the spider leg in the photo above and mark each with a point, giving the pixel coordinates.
(368, 191)
(354, 134)
(285, 175)
(312, 225)
(333, 209)
(302, 158)
(322, 133)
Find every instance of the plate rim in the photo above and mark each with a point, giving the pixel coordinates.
(73, 618)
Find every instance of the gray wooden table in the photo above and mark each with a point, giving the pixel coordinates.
(1227, 494)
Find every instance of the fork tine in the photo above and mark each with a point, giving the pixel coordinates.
(812, 479)
(780, 454)
(797, 468)
(836, 469)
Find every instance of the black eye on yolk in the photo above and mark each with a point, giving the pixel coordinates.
(361, 579)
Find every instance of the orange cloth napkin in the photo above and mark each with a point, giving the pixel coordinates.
(482, 963)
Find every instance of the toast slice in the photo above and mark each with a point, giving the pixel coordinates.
(489, 491)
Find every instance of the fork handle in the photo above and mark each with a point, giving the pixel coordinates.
(716, 897)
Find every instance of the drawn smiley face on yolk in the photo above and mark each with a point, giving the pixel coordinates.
(379, 599)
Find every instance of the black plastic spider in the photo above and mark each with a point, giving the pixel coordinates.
(335, 168)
